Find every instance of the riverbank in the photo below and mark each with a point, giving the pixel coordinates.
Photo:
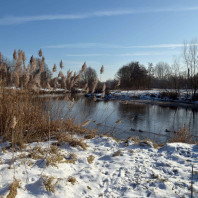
(107, 168)
(157, 95)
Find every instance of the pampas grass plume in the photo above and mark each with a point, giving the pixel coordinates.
(84, 66)
(40, 53)
(54, 68)
(61, 64)
(15, 55)
(118, 84)
(13, 123)
(102, 69)
(85, 123)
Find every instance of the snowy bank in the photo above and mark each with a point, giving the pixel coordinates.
(154, 95)
(151, 95)
(106, 169)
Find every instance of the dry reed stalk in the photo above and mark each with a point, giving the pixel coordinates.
(102, 69)
(72, 103)
(43, 59)
(13, 189)
(23, 57)
(3, 68)
(69, 74)
(37, 80)
(19, 55)
(31, 59)
(60, 74)
(13, 123)
(54, 68)
(24, 67)
(85, 123)
(48, 86)
(15, 55)
(118, 83)
(16, 79)
(33, 63)
(87, 90)
(0, 56)
(104, 87)
(94, 98)
(41, 66)
(12, 127)
(55, 82)
(40, 53)
(61, 64)
(85, 86)
(63, 82)
(27, 76)
(94, 85)
(118, 121)
(103, 94)
(76, 78)
(74, 75)
(84, 66)
(192, 182)
(103, 90)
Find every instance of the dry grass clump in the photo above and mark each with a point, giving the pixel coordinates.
(71, 158)
(13, 189)
(117, 153)
(148, 142)
(58, 157)
(72, 180)
(53, 159)
(89, 136)
(90, 159)
(183, 135)
(49, 183)
(78, 142)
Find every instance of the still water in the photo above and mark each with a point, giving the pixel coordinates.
(153, 121)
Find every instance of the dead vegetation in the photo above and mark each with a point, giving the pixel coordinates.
(49, 183)
(13, 189)
(90, 159)
(72, 180)
(183, 135)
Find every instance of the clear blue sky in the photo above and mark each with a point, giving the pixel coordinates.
(108, 32)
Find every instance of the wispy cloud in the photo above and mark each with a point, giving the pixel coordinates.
(126, 54)
(110, 46)
(14, 20)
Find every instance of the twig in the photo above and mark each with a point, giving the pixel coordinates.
(192, 183)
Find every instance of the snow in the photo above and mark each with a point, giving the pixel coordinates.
(153, 94)
(119, 169)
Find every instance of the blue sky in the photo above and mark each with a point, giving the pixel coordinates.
(108, 32)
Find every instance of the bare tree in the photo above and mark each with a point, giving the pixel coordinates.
(88, 77)
(162, 70)
(190, 55)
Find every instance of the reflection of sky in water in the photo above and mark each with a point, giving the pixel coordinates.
(153, 120)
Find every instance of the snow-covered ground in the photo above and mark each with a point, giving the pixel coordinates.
(116, 169)
(154, 94)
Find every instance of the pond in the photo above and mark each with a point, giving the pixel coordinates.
(157, 122)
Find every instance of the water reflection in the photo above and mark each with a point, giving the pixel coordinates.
(157, 122)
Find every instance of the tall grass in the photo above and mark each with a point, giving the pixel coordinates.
(23, 116)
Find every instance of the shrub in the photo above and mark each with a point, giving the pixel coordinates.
(183, 135)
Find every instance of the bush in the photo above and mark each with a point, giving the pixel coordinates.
(169, 95)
